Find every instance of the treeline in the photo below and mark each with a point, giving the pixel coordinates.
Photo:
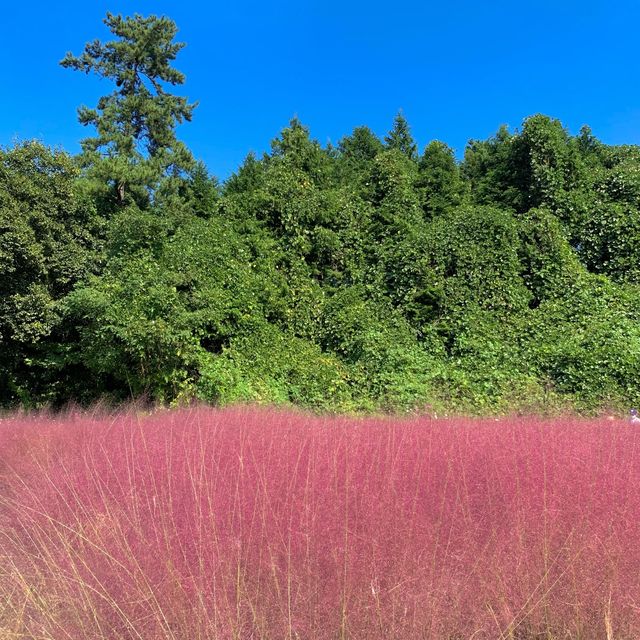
(363, 276)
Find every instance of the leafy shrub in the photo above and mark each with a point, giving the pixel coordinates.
(272, 366)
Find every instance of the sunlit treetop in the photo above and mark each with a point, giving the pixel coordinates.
(135, 146)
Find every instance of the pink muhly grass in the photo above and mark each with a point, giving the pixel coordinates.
(246, 523)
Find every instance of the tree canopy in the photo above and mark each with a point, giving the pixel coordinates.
(135, 145)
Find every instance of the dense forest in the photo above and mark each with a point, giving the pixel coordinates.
(363, 276)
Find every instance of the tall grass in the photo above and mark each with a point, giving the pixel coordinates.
(242, 523)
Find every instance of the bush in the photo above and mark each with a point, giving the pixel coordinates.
(272, 366)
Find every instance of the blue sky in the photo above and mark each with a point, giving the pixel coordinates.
(457, 69)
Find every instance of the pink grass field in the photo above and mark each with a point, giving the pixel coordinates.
(257, 524)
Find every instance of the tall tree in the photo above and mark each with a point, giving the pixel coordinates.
(247, 177)
(400, 137)
(361, 146)
(135, 146)
(203, 190)
(295, 147)
(355, 155)
(439, 184)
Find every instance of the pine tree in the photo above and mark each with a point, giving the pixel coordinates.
(400, 137)
(439, 184)
(203, 190)
(361, 146)
(295, 146)
(135, 146)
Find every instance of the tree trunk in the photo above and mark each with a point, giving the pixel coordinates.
(120, 193)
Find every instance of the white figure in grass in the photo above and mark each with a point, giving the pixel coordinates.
(634, 418)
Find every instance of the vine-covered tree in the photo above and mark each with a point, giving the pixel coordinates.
(439, 183)
(135, 146)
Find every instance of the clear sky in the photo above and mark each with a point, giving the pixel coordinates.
(457, 69)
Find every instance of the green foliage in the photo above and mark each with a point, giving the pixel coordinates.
(147, 321)
(50, 239)
(608, 229)
(550, 267)
(202, 191)
(275, 367)
(355, 278)
(392, 193)
(474, 251)
(487, 368)
(247, 178)
(609, 241)
(356, 153)
(488, 169)
(587, 343)
(389, 369)
(529, 169)
(360, 147)
(135, 146)
(298, 152)
(552, 164)
(400, 138)
(439, 184)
